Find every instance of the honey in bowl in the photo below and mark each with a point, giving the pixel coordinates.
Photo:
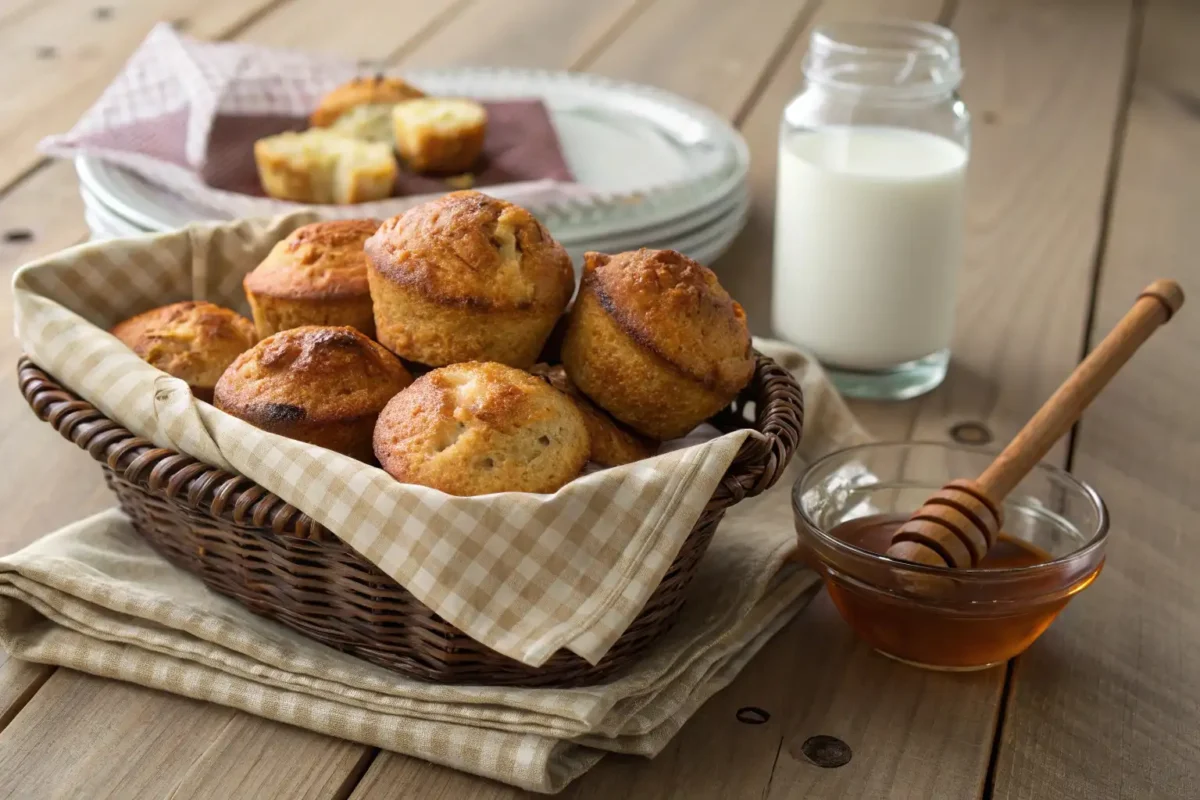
(933, 635)
(848, 504)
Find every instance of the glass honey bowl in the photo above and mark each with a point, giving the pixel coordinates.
(940, 618)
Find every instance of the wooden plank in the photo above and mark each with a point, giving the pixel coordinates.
(711, 51)
(255, 758)
(393, 775)
(1044, 86)
(19, 681)
(529, 33)
(60, 56)
(927, 735)
(1107, 704)
(41, 215)
(374, 30)
(82, 736)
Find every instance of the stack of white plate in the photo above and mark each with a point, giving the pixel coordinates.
(665, 172)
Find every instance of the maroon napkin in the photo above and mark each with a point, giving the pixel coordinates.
(521, 145)
(183, 115)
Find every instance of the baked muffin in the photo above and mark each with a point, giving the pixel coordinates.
(466, 277)
(439, 134)
(612, 444)
(320, 385)
(372, 123)
(655, 341)
(316, 276)
(479, 428)
(377, 90)
(321, 166)
(194, 341)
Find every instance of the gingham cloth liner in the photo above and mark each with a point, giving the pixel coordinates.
(183, 83)
(95, 597)
(524, 574)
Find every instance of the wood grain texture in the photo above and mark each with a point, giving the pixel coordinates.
(19, 681)
(373, 32)
(393, 775)
(1107, 704)
(61, 55)
(525, 33)
(45, 207)
(86, 737)
(256, 758)
(712, 51)
(1044, 84)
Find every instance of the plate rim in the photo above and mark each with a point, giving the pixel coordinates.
(576, 218)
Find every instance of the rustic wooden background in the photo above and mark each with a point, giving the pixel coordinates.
(1084, 185)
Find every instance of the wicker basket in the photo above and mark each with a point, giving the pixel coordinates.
(245, 542)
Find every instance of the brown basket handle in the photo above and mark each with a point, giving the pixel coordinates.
(180, 477)
(775, 395)
(778, 417)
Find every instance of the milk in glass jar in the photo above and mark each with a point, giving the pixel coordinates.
(869, 209)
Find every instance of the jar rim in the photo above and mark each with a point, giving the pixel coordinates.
(839, 51)
(1096, 541)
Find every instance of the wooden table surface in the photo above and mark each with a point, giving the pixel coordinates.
(1084, 185)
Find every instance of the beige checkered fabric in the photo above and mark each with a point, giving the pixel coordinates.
(156, 117)
(524, 574)
(95, 597)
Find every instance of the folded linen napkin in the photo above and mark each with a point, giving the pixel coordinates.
(95, 597)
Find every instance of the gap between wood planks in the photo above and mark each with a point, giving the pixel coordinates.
(1120, 124)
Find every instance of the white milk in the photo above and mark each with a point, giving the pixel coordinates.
(868, 239)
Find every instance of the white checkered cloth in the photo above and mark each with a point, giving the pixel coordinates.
(155, 118)
(525, 574)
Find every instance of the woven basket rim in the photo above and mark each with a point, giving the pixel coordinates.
(778, 410)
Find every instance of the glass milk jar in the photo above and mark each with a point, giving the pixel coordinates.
(869, 206)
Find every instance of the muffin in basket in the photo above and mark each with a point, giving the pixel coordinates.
(194, 341)
(322, 166)
(612, 444)
(376, 90)
(316, 276)
(439, 134)
(321, 385)
(467, 277)
(481, 427)
(655, 341)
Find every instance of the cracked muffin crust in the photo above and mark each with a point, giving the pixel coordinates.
(193, 341)
(321, 385)
(467, 277)
(654, 340)
(482, 427)
(315, 276)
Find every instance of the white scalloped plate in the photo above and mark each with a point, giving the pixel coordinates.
(651, 157)
(705, 241)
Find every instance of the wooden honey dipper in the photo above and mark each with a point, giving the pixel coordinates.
(957, 526)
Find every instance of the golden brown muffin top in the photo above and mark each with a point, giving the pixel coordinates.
(480, 427)
(314, 374)
(676, 308)
(469, 249)
(321, 261)
(193, 340)
(376, 89)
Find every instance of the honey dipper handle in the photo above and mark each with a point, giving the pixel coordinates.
(1155, 305)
